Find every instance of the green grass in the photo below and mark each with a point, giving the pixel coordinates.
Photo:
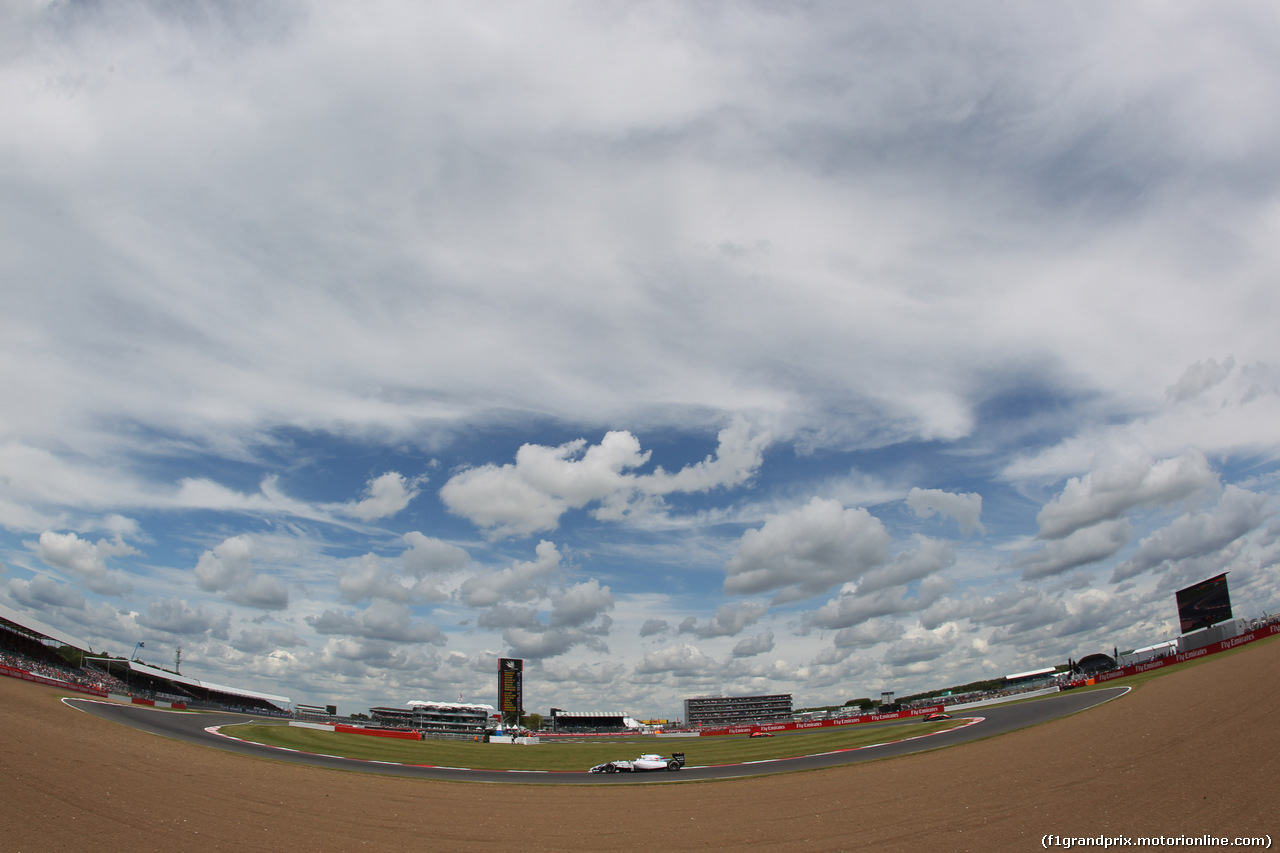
(576, 755)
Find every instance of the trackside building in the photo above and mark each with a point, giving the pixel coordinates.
(732, 710)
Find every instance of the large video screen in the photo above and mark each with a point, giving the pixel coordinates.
(511, 688)
(1204, 604)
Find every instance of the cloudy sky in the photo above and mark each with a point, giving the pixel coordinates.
(678, 348)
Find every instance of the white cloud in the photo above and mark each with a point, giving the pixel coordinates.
(1079, 548)
(266, 640)
(1108, 492)
(372, 578)
(760, 644)
(384, 496)
(522, 581)
(228, 568)
(229, 564)
(545, 643)
(1197, 534)
(382, 620)
(867, 634)
(652, 627)
(807, 551)
(849, 609)
(579, 604)
(918, 650)
(729, 620)
(178, 618)
(430, 556)
(677, 659)
(87, 561)
(40, 592)
(545, 482)
(965, 508)
(890, 261)
(927, 557)
(1199, 377)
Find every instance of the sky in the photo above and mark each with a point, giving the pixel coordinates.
(676, 348)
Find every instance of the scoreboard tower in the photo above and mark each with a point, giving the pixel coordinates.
(510, 691)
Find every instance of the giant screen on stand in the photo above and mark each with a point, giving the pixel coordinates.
(1203, 604)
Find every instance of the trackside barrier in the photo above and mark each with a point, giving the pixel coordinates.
(819, 724)
(324, 727)
(1182, 657)
(53, 682)
(359, 730)
(1001, 700)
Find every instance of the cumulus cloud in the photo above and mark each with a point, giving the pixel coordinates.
(506, 616)
(41, 592)
(752, 646)
(965, 509)
(384, 496)
(228, 569)
(578, 617)
(229, 564)
(258, 640)
(867, 634)
(371, 578)
(1199, 377)
(545, 482)
(807, 551)
(1109, 492)
(382, 620)
(430, 556)
(579, 604)
(220, 279)
(541, 642)
(679, 659)
(1197, 534)
(84, 560)
(177, 617)
(1079, 548)
(926, 557)
(729, 620)
(415, 577)
(652, 627)
(850, 609)
(522, 581)
(918, 650)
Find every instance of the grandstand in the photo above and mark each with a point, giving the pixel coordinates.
(587, 722)
(436, 718)
(155, 683)
(35, 647)
(736, 710)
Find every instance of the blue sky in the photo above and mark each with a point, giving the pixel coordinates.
(678, 348)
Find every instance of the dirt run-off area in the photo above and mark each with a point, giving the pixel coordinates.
(1194, 752)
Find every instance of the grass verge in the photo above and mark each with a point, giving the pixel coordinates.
(577, 755)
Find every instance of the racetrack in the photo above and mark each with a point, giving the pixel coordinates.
(995, 720)
(1194, 751)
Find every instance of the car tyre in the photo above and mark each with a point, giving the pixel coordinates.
(673, 765)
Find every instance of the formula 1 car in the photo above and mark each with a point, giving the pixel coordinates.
(761, 734)
(938, 716)
(648, 761)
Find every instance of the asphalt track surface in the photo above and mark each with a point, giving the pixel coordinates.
(198, 728)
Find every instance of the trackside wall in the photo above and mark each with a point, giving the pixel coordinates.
(1182, 657)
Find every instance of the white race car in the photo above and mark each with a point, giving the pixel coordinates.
(648, 761)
